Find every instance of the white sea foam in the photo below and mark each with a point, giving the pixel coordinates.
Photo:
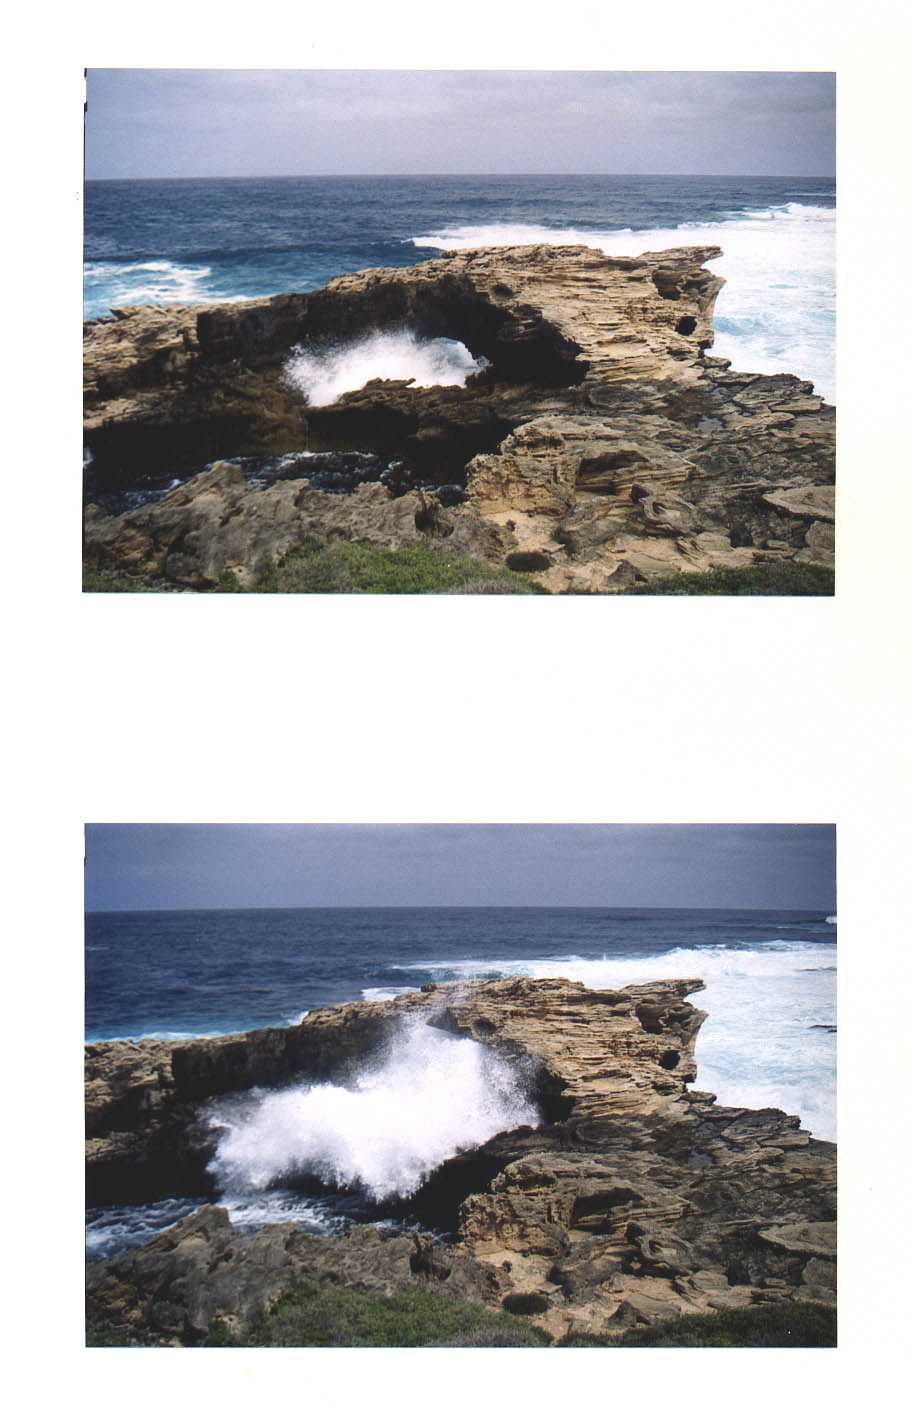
(428, 1097)
(117, 1229)
(109, 285)
(280, 1207)
(777, 310)
(165, 1035)
(758, 1048)
(323, 375)
(386, 992)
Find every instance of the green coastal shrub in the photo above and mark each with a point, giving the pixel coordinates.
(96, 582)
(792, 1324)
(354, 568)
(312, 1315)
(324, 1315)
(788, 578)
(332, 1316)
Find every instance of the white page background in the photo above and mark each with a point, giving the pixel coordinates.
(178, 708)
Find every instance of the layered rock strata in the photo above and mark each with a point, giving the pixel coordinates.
(636, 1201)
(601, 440)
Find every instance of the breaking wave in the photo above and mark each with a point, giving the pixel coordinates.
(323, 375)
(107, 285)
(777, 311)
(768, 1041)
(428, 1097)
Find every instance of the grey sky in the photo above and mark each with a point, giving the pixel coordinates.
(146, 867)
(258, 122)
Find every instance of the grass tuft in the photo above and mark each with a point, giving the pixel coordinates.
(354, 568)
(312, 1315)
(788, 578)
(793, 1324)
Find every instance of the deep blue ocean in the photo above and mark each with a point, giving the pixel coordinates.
(769, 1039)
(212, 240)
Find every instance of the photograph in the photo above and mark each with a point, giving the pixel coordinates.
(460, 1085)
(474, 332)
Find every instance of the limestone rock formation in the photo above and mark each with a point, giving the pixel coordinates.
(203, 1272)
(601, 437)
(636, 1201)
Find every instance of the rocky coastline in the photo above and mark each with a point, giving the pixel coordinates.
(602, 446)
(636, 1202)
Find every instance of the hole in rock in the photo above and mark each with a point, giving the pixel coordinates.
(323, 374)
(598, 474)
(666, 284)
(593, 1212)
(528, 561)
(526, 1304)
(649, 1016)
(415, 1108)
(669, 1059)
(686, 325)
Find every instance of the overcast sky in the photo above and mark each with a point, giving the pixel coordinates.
(148, 867)
(257, 122)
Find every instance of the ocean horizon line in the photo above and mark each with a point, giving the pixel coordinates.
(468, 175)
(437, 907)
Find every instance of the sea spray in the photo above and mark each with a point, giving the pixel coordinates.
(429, 1096)
(154, 281)
(323, 374)
(768, 1041)
(776, 312)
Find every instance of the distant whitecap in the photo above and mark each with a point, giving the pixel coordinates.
(777, 312)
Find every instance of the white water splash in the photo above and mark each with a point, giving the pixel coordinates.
(777, 311)
(323, 375)
(758, 1048)
(430, 1096)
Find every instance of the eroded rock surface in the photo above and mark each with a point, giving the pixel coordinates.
(203, 1272)
(601, 438)
(636, 1201)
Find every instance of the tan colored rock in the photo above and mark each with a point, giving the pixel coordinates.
(216, 523)
(816, 502)
(818, 1240)
(602, 435)
(637, 1200)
